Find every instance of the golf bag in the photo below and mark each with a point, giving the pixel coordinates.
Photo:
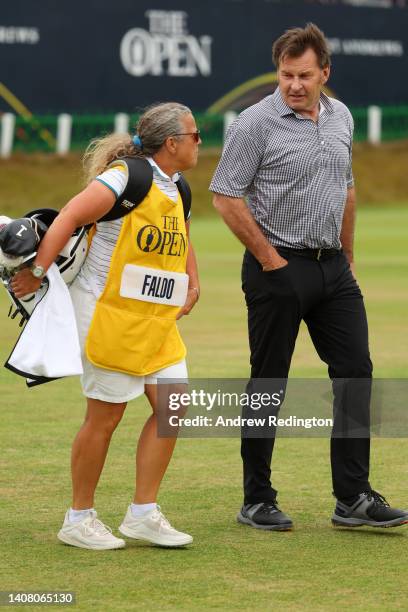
(19, 240)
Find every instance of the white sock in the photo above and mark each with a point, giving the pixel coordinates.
(140, 509)
(78, 515)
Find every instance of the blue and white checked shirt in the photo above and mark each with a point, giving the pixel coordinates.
(293, 172)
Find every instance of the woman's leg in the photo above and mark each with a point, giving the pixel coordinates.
(152, 456)
(90, 448)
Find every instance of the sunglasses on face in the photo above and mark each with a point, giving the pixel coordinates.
(195, 135)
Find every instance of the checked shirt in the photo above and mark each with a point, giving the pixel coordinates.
(293, 172)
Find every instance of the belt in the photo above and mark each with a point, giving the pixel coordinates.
(309, 253)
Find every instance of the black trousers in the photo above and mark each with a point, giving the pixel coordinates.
(326, 296)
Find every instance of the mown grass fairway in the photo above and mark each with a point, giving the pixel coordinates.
(228, 566)
(380, 174)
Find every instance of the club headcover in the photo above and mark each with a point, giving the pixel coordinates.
(21, 236)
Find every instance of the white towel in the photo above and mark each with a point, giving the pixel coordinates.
(48, 346)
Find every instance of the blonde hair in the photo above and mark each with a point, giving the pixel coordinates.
(155, 125)
(101, 152)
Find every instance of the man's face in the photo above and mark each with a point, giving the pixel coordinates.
(301, 80)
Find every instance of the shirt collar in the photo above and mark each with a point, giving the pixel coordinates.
(160, 172)
(284, 110)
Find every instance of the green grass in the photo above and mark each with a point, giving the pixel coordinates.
(47, 181)
(228, 566)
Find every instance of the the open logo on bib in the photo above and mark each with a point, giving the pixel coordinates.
(151, 285)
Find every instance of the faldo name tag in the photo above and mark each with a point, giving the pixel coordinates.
(151, 285)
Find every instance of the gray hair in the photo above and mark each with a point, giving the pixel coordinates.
(157, 123)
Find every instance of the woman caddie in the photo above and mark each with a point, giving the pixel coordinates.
(129, 337)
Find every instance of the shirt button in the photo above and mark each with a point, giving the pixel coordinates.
(322, 141)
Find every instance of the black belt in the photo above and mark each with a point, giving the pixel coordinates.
(310, 253)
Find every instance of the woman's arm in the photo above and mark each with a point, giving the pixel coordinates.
(86, 207)
(193, 283)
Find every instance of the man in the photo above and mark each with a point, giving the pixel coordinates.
(290, 156)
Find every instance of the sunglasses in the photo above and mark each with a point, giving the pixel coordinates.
(195, 135)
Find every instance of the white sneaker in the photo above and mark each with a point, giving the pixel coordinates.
(89, 533)
(153, 527)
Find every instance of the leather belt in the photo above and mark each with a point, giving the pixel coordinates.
(309, 253)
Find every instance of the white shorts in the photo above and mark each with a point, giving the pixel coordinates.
(108, 385)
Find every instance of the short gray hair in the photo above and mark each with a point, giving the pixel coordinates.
(158, 122)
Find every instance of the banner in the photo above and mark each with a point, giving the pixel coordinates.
(90, 57)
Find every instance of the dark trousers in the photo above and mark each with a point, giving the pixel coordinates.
(325, 295)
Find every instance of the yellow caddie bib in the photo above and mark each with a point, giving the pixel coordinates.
(133, 329)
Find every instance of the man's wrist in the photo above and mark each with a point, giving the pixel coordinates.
(272, 262)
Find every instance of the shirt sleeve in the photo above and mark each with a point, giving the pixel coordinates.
(115, 178)
(349, 177)
(239, 161)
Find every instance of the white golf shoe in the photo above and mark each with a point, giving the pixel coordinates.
(153, 527)
(89, 533)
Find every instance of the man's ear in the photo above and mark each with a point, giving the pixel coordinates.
(325, 74)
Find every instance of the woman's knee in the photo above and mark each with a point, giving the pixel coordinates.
(104, 416)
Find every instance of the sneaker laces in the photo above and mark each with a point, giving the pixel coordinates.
(94, 525)
(269, 507)
(163, 522)
(378, 499)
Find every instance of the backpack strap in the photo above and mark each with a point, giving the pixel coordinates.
(140, 178)
(185, 192)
